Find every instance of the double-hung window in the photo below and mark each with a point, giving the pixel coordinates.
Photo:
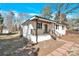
(57, 26)
(39, 25)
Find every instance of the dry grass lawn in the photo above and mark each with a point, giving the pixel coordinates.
(46, 47)
(73, 37)
(12, 36)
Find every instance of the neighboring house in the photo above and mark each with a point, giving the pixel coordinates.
(43, 28)
(76, 27)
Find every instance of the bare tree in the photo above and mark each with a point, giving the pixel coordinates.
(63, 10)
(8, 21)
(1, 19)
(47, 12)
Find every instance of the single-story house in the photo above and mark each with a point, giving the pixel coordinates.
(39, 28)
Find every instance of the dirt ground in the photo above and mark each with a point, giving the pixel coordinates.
(10, 47)
(73, 37)
(16, 47)
(46, 47)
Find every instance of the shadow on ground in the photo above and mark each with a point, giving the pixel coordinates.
(14, 47)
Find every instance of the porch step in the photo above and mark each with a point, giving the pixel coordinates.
(53, 36)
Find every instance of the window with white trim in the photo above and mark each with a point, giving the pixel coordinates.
(57, 26)
(62, 27)
(39, 25)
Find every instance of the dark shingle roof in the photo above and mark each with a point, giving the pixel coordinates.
(45, 19)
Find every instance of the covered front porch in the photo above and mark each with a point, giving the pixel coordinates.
(40, 38)
(39, 31)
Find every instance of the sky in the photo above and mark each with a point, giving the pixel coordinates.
(32, 8)
(22, 7)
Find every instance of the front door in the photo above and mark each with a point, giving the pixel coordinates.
(46, 27)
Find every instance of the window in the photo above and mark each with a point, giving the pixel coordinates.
(39, 25)
(62, 27)
(57, 26)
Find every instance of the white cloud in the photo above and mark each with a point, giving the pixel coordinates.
(3, 13)
(72, 16)
(53, 16)
(16, 13)
(32, 14)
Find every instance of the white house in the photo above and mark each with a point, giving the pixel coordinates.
(38, 28)
(60, 29)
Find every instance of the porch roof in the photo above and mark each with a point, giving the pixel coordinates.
(39, 18)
